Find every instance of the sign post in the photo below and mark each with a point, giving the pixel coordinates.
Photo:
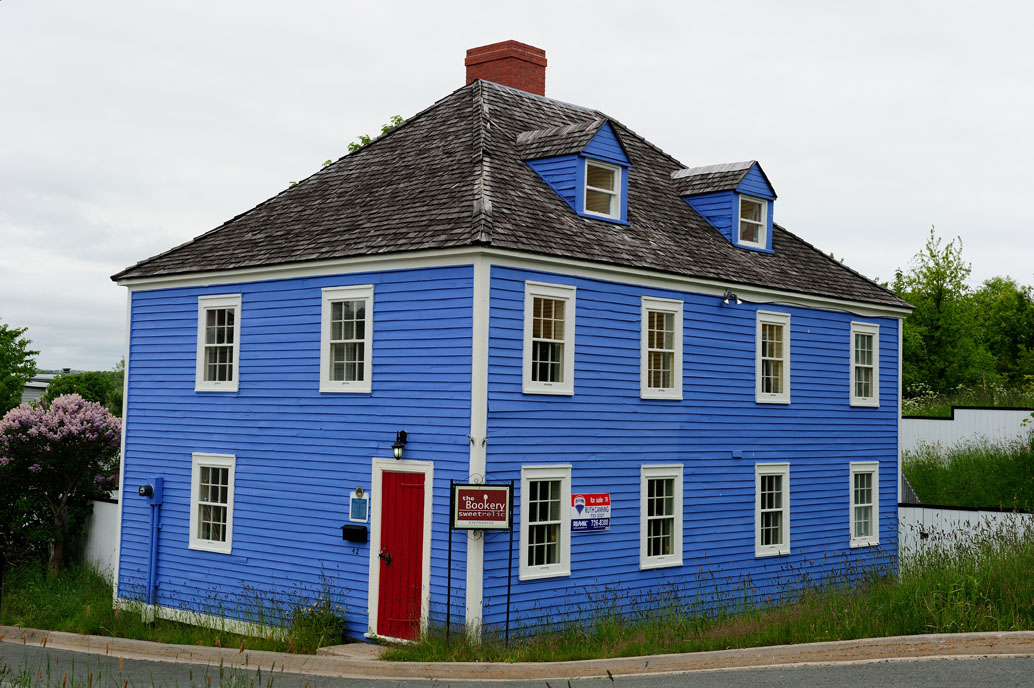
(483, 506)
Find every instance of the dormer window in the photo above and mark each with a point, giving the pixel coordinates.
(752, 221)
(602, 189)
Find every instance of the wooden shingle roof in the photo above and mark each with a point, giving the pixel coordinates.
(454, 176)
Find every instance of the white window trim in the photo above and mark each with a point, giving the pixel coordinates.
(675, 558)
(562, 567)
(865, 467)
(664, 306)
(772, 318)
(352, 293)
(874, 330)
(198, 460)
(205, 303)
(761, 469)
(762, 229)
(549, 291)
(616, 193)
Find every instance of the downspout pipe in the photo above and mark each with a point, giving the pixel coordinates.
(153, 492)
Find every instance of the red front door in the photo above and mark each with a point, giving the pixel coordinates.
(401, 555)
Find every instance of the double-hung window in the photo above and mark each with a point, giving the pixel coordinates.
(545, 521)
(771, 509)
(602, 189)
(753, 222)
(548, 338)
(865, 503)
(865, 364)
(218, 343)
(660, 372)
(211, 502)
(660, 516)
(773, 358)
(346, 339)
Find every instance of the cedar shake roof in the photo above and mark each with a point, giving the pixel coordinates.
(453, 176)
(711, 178)
(562, 140)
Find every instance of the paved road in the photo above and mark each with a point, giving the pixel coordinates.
(28, 665)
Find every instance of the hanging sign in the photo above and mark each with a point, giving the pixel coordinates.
(590, 512)
(477, 507)
(359, 506)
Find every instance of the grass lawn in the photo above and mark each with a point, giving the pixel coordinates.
(985, 588)
(980, 475)
(80, 601)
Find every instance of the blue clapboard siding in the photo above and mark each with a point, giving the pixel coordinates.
(562, 175)
(299, 452)
(717, 208)
(606, 432)
(605, 146)
(755, 184)
(722, 209)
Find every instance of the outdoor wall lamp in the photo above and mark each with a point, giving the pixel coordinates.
(730, 296)
(400, 444)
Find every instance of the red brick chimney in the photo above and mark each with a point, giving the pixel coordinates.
(509, 63)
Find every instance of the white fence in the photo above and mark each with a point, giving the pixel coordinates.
(923, 527)
(102, 536)
(965, 426)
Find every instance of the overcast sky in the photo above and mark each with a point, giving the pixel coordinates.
(128, 127)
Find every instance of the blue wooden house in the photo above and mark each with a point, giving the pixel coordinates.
(533, 293)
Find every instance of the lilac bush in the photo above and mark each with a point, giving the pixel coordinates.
(54, 458)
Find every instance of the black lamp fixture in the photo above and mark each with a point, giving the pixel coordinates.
(400, 444)
(729, 296)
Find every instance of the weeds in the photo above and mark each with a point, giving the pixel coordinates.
(80, 601)
(983, 587)
(921, 400)
(978, 475)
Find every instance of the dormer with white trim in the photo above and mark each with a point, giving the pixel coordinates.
(585, 164)
(736, 198)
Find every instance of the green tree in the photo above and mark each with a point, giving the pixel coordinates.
(1005, 313)
(942, 347)
(17, 366)
(104, 388)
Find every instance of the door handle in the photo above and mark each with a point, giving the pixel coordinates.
(385, 556)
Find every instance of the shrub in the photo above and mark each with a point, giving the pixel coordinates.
(54, 458)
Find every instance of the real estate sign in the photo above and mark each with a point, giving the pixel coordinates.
(481, 506)
(590, 512)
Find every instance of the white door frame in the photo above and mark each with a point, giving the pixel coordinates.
(380, 467)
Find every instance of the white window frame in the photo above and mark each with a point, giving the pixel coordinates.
(646, 473)
(674, 307)
(616, 193)
(772, 318)
(549, 291)
(205, 304)
(228, 461)
(874, 331)
(857, 468)
(762, 226)
(563, 566)
(764, 469)
(362, 292)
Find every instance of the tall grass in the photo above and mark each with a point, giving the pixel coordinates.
(978, 475)
(78, 600)
(920, 400)
(985, 586)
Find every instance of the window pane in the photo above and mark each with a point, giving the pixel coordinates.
(750, 210)
(600, 177)
(749, 232)
(599, 202)
(863, 381)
